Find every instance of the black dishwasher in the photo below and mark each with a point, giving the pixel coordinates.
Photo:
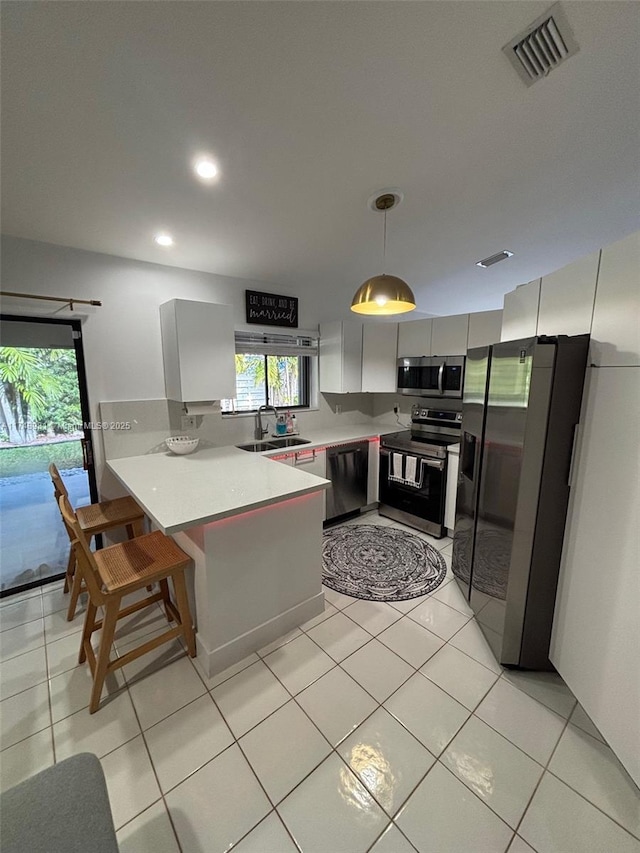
(347, 468)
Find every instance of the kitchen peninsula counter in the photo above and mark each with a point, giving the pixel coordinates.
(178, 492)
(253, 528)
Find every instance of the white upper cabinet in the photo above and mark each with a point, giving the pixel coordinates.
(357, 357)
(198, 350)
(615, 333)
(379, 347)
(341, 357)
(566, 298)
(449, 335)
(484, 328)
(414, 338)
(520, 312)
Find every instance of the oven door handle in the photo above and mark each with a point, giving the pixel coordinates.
(441, 378)
(424, 460)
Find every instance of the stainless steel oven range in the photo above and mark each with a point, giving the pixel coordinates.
(413, 469)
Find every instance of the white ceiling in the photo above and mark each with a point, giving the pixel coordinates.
(310, 107)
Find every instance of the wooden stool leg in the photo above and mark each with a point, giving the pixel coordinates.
(184, 611)
(106, 641)
(136, 528)
(76, 588)
(164, 589)
(87, 630)
(71, 562)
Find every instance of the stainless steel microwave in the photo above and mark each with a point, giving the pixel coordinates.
(435, 376)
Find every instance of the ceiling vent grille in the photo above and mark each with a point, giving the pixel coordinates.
(545, 44)
(494, 259)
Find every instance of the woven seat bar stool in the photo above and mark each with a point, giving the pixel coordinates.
(94, 519)
(119, 570)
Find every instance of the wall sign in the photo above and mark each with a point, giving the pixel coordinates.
(269, 309)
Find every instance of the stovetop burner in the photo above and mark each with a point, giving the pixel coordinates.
(433, 444)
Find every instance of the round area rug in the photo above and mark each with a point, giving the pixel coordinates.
(380, 563)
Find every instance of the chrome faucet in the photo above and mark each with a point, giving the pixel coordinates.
(260, 431)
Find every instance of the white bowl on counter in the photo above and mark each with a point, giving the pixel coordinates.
(181, 444)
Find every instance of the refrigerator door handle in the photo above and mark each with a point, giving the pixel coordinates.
(574, 450)
(441, 378)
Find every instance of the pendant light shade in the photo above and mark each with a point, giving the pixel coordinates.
(384, 294)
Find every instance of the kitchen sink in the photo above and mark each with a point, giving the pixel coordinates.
(288, 442)
(273, 444)
(257, 446)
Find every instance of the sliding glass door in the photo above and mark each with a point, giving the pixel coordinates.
(44, 417)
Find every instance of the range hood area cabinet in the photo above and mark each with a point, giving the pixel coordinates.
(198, 349)
(356, 357)
(449, 335)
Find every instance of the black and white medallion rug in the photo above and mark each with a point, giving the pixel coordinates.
(380, 563)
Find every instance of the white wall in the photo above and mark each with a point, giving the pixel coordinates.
(122, 343)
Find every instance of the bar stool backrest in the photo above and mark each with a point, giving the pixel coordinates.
(84, 555)
(60, 490)
(58, 483)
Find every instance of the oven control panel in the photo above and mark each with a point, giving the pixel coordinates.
(421, 414)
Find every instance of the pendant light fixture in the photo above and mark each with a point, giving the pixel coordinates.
(384, 294)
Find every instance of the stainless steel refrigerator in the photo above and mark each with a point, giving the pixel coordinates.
(520, 407)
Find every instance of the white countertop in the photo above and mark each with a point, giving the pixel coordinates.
(330, 436)
(178, 492)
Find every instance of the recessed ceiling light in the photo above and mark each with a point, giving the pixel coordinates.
(164, 239)
(494, 259)
(205, 168)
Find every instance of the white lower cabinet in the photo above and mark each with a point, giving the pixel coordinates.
(453, 464)
(286, 460)
(314, 461)
(374, 472)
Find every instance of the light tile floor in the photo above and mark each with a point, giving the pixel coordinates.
(385, 728)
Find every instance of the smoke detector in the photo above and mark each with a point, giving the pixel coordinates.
(545, 44)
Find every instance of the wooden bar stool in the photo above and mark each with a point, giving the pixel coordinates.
(94, 519)
(119, 570)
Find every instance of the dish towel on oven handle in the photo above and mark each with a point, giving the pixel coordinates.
(411, 471)
(395, 469)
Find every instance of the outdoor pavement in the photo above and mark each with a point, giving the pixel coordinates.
(34, 543)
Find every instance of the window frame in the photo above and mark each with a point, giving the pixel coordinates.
(305, 385)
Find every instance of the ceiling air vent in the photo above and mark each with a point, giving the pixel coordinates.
(494, 259)
(544, 45)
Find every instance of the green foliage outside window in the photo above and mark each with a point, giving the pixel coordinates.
(39, 393)
(273, 380)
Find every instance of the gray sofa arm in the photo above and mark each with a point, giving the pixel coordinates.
(63, 809)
